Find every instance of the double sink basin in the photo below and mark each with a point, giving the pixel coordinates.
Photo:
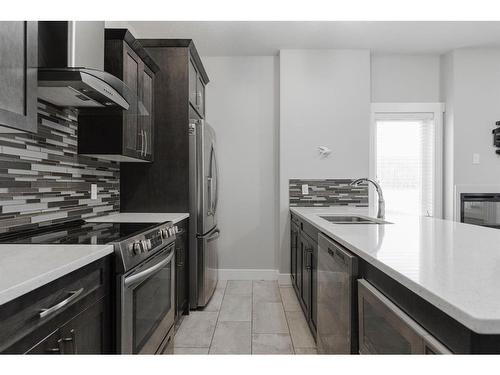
(352, 219)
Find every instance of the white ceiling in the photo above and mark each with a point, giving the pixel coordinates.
(228, 38)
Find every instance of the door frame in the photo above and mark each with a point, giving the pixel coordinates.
(438, 110)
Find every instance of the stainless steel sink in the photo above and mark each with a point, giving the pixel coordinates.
(352, 219)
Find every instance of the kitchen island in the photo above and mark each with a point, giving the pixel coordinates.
(443, 274)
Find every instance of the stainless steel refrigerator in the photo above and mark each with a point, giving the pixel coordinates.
(204, 197)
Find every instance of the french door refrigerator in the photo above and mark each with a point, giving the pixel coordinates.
(204, 196)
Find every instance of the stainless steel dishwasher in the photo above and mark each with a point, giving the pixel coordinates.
(337, 319)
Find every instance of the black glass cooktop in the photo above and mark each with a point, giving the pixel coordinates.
(77, 233)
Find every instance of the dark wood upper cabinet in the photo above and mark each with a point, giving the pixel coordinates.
(163, 186)
(146, 122)
(193, 81)
(18, 75)
(200, 96)
(196, 89)
(118, 135)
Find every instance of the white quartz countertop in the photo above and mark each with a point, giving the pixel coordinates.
(139, 217)
(24, 268)
(454, 266)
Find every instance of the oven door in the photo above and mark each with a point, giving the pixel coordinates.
(148, 304)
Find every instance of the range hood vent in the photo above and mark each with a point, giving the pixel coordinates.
(71, 68)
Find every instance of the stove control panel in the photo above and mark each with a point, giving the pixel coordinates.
(154, 239)
(134, 250)
(169, 232)
(151, 240)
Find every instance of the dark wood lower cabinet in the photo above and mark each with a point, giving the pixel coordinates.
(52, 344)
(82, 325)
(84, 334)
(304, 254)
(294, 239)
(182, 270)
(306, 248)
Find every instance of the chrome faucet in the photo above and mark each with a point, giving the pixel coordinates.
(381, 201)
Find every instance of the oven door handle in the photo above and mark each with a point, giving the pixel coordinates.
(148, 272)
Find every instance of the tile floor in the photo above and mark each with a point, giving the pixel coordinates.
(247, 317)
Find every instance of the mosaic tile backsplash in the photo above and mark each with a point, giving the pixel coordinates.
(328, 192)
(44, 181)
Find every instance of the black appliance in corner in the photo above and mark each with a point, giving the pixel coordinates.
(480, 209)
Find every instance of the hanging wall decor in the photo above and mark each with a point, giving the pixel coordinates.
(496, 137)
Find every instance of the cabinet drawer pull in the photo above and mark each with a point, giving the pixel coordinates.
(73, 295)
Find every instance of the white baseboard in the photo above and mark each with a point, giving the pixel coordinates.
(284, 279)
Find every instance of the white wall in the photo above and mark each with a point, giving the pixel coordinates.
(477, 107)
(405, 78)
(473, 105)
(324, 100)
(447, 96)
(242, 106)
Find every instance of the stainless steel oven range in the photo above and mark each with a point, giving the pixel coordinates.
(146, 291)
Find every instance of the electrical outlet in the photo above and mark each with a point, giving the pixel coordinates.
(93, 191)
(305, 189)
(475, 158)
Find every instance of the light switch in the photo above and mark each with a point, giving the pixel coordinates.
(475, 158)
(305, 189)
(93, 191)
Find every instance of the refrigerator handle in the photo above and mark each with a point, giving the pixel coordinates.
(216, 199)
(212, 235)
(210, 202)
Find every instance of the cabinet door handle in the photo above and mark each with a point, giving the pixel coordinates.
(73, 295)
(58, 350)
(308, 259)
(143, 140)
(72, 340)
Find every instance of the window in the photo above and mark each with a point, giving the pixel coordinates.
(407, 159)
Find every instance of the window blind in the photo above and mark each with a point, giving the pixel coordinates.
(405, 150)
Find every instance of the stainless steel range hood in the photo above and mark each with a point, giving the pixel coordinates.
(71, 67)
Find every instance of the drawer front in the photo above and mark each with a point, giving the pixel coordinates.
(386, 329)
(41, 311)
(383, 327)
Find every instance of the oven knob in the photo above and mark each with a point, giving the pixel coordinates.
(171, 231)
(144, 246)
(149, 246)
(164, 234)
(136, 248)
(176, 229)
